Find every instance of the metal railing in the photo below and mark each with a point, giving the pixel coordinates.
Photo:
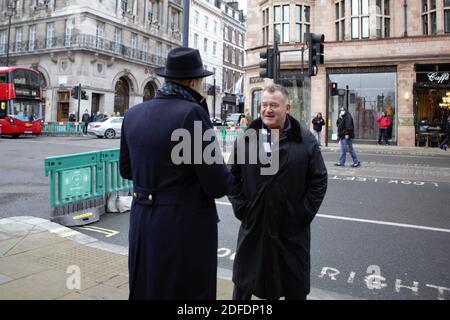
(83, 42)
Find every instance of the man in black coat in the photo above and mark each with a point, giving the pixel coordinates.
(173, 220)
(346, 134)
(273, 249)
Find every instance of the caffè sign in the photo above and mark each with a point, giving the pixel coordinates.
(434, 77)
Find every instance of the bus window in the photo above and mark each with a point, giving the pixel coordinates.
(3, 78)
(26, 110)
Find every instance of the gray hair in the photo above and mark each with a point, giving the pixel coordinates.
(277, 87)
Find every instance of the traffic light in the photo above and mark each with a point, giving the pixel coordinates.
(316, 51)
(268, 63)
(74, 92)
(333, 89)
(83, 95)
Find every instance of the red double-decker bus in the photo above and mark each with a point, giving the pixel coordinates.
(20, 101)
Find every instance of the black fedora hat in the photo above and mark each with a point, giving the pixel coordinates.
(183, 63)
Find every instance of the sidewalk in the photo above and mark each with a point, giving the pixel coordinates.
(40, 259)
(390, 149)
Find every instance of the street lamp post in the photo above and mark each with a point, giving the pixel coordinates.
(9, 13)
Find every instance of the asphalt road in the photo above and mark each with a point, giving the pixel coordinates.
(383, 231)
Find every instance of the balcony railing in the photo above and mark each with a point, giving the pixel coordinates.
(82, 42)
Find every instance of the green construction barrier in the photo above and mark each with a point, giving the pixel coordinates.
(113, 181)
(76, 188)
(57, 129)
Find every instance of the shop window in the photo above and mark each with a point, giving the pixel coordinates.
(365, 95)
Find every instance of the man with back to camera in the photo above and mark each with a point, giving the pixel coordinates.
(173, 220)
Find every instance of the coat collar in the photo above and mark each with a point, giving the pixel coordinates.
(293, 133)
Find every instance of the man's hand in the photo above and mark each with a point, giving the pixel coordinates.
(347, 137)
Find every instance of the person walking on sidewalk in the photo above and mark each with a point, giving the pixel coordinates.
(318, 122)
(173, 234)
(444, 143)
(85, 119)
(384, 122)
(273, 248)
(346, 132)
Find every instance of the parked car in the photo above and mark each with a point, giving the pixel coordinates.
(233, 119)
(108, 127)
(216, 121)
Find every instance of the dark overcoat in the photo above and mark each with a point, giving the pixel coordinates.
(273, 249)
(173, 234)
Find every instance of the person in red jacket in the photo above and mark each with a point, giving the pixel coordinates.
(384, 123)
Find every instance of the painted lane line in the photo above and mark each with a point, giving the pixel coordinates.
(402, 225)
(387, 223)
(108, 233)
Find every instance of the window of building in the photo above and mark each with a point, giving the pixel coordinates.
(32, 37)
(117, 40)
(281, 23)
(206, 22)
(175, 20)
(153, 9)
(241, 59)
(447, 16)
(214, 48)
(50, 35)
(383, 18)
(225, 53)
(100, 35)
(360, 19)
(133, 45)
(205, 45)
(158, 48)
(195, 41)
(265, 27)
(68, 39)
(196, 17)
(19, 38)
(145, 49)
(233, 55)
(215, 27)
(340, 20)
(256, 102)
(3, 41)
(429, 26)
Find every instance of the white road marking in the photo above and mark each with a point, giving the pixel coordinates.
(387, 223)
(107, 232)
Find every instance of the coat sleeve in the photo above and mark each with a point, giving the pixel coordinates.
(317, 182)
(215, 178)
(236, 195)
(124, 158)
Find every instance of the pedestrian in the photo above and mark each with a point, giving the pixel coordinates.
(444, 143)
(173, 221)
(72, 117)
(318, 122)
(243, 121)
(273, 248)
(346, 134)
(85, 120)
(384, 122)
(92, 117)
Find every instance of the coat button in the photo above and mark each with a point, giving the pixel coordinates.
(150, 197)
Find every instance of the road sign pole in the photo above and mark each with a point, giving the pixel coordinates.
(79, 101)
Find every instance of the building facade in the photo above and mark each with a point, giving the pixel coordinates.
(205, 34)
(109, 47)
(384, 55)
(234, 35)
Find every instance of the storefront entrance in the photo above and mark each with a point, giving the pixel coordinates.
(431, 103)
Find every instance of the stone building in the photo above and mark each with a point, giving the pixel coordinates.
(234, 35)
(109, 47)
(384, 55)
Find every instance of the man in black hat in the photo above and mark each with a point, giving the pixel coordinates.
(173, 220)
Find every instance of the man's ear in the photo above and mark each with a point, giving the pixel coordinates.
(288, 108)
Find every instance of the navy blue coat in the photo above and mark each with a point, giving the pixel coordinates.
(173, 236)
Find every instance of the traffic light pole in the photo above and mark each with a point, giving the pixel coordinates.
(79, 101)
